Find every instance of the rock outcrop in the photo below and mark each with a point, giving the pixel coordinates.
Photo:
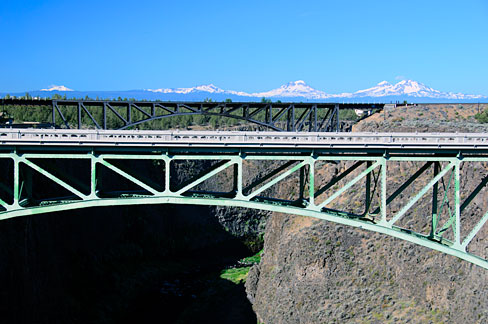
(314, 271)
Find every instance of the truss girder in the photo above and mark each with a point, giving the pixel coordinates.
(311, 117)
(286, 168)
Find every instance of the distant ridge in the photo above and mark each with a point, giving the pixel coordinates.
(412, 91)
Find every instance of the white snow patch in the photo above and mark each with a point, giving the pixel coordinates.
(57, 88)
(294, 89)
(210, 88)
(299, 88)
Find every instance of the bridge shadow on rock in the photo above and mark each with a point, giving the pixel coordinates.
(139, 264)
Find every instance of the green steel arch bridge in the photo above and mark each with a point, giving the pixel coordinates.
(76, 163)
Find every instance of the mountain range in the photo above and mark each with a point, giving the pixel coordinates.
(296, 91)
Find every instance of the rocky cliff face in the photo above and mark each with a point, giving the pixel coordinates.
(314, 271)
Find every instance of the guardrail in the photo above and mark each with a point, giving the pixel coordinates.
(217, 138)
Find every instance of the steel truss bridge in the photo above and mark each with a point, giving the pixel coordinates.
(299, 159)
(292, 117)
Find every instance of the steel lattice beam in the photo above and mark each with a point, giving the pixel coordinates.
(306, 117)
(371, 168)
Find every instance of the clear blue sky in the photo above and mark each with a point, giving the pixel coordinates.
(334, 46)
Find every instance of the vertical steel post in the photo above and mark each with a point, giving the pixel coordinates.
(239, 177)
(435, 190)
(288, 113)
(236, 179)
(289, 120)
(336, 111)
(311, 181)
(293, 118)
(129, 113)
(53, 113)
(314, 118)
(309, 117)
(79, 115)
(167, 170)
(104, 115)
(383, 191)
(16, 181)
(269, 119)
(457, 204)
(93, 176)
(302, 183)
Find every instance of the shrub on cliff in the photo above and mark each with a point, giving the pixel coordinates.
(482, 117)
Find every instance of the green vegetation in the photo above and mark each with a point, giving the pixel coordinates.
(255, 259)
(482, 117)
(236, 275)
(239, 275)
(347, 114)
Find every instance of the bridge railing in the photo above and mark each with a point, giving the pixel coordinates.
(114, 137)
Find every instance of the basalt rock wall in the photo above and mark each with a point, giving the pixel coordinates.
(313, 271)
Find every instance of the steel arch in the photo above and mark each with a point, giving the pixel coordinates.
(358, 223)
(370, 168)
(254, 121)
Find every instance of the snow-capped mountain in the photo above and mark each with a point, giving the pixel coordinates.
(384, 91)
(210, 88)
(299, 89)
(57, 88)
(409, 88)
(293, 89)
